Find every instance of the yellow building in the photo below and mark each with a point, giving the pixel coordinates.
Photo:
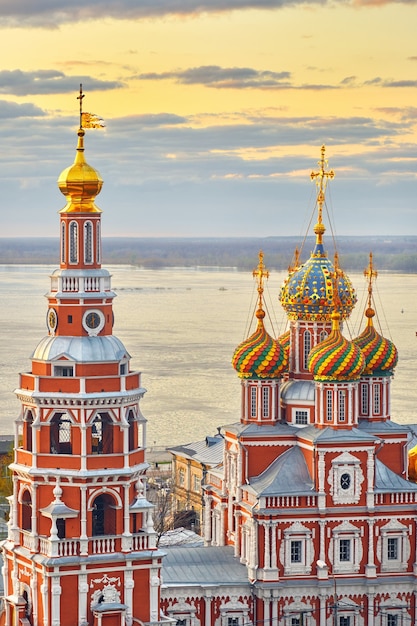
(190, 463)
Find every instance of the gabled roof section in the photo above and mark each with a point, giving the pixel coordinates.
(387, 481)
(335, 435)
(287, 475)
(207, 452)
(279, 429)
(196, 566)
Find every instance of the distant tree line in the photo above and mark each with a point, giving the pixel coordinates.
(391, 254)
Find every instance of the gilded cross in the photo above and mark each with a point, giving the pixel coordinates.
(80, 98)
(370, 273)
(260, 273)
(322, 176)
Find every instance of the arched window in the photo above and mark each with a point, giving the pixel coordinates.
(253, 394)
(131, 422)
(307, 347)
(63, 243)
(60, 434)
(265, 402)
(323, 335)
(329, 405)
(102, 435)
(104, 515)
(88, 242)
(73, 244)
(98, 243)
(26, 510)
(27, 431)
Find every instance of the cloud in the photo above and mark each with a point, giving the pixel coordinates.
(224, 77)
(10, 110)
(50, 13)
(217, 77)
(20, 83)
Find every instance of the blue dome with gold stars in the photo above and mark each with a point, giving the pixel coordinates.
(307, 293)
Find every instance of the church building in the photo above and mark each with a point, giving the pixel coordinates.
(309, 520)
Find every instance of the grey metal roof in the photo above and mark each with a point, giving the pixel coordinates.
(353, 435)
(208, 452)
(196, 566)
(301, 390)
(287, 475)
(388, 481)
(380, 427)
(81, 349)
(279, 429)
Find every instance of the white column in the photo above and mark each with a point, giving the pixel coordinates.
(267, 550)
(83, 521)
(154, 594)
(128, 595)
(274, 546)
(82, 598)
(56, 601)
(207, 600)
(45, 603)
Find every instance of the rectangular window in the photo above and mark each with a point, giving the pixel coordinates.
(232, 621)
(377, 399)
(342, 405)
(364, 399)
(63, 371)
(344, 550)
(253, 391)
(196, 483)
(301, 417)
(329, 405)
(295, 621)
(344, 621)
(122, 369)
(392, 548)
(182, 622)
(296, 551)
(392, 620)
(265, 402)
(69, 319)
(181, 477)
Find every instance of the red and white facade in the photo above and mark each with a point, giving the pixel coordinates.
(313, 495)
(81, 547)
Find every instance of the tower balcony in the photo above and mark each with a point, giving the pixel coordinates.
(99, 545)
(79, 385)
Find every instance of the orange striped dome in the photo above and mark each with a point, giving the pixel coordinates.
(381, 355)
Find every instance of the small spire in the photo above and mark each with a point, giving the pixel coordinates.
(371, 274)
(295, 261)
(80, 98)
(260, 273)
(321, 177)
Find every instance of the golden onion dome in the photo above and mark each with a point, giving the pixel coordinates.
(80, 183)
(336, 358)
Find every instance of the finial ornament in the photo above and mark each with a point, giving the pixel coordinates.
(260, 273)
(370, 273)
(322, 176)
(80, 98)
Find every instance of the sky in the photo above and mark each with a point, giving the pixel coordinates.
(215, 112)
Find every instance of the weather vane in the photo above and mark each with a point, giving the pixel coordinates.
(88, 120)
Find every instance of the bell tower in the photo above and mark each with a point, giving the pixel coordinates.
(81, 548)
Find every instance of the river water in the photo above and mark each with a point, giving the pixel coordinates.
(181, 327)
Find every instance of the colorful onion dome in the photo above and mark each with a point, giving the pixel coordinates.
(307, 293)
(284, 340)
(336, 358)
(381, 356)
(260, 356)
